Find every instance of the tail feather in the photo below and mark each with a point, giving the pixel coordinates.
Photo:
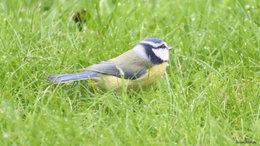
(55, 79)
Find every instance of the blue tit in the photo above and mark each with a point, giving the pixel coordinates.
(136, 68)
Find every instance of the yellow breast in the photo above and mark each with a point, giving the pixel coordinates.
(112, 82)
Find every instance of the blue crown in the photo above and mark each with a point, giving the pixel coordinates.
(154, 40)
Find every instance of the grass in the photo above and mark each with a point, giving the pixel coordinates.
(209, 96)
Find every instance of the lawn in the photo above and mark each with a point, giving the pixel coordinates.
(210, 94)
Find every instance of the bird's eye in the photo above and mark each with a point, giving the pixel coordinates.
(163, 46)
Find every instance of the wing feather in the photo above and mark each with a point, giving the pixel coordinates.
(122, 66)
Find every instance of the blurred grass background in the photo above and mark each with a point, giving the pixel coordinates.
(210, 95)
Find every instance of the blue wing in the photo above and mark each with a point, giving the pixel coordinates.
(110, 68)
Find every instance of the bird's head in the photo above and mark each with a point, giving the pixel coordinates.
(156, 50)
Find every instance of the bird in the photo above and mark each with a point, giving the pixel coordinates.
(137, 68)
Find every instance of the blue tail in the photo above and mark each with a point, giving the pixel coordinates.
(55, 79)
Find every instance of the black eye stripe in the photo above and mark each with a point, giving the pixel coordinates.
(161, 46)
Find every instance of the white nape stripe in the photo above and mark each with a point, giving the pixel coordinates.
(140, 51)
(163, 54)
(151, 43)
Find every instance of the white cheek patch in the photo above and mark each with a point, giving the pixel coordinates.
(162, 54)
